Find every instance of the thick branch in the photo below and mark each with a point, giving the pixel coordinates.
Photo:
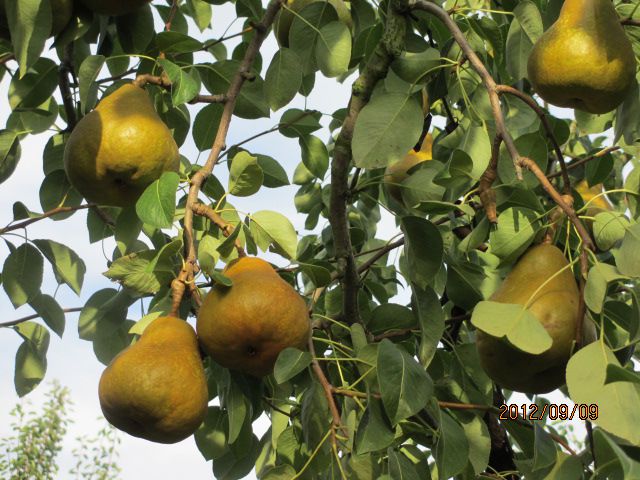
(50, 213)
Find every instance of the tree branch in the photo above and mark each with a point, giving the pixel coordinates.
(215, 218)
(486, 193)
(47, 214)
(65, 88)
(582, 161)
(36, 315)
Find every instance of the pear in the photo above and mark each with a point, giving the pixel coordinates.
(120, 148)
(244, 327)
(156, 389)
(113, 7)
(399, 171)
(584, 61)
(555, 306)
(292, 7)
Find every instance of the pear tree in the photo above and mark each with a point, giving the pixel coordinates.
(437, 278)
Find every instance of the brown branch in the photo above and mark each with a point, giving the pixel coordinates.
(486, 193)
(7, 57)
(328, 392)
(376, 68)
(146, 78)
(215, 218)
(206, 46)
(630, 22)
(547, 127)
(47, 214)
(582, 161)
(64, 70)
(36, 315)
(244, 71)
(379, 254)
(209, 99)
(103, 216)
(172, 14)
(116, 77)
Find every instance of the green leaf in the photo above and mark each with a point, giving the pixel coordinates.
(211, 436)
(273, 228)
(400, 467)
(201, 13)
(616, 462)
(103, 312)
(567, 467)
(431, 320)
(616, 373)
(386, 129)
(87, 75)
(424, 249)
(627, 257)
(208, 254)
(9, 153)
(314, 155)
(183, 85)
(49, 310)
(56, 191)
(609, 228)
(290, 362)
(205, 126)
(598, 279)
(174, 42)
(22, 274)
(68, 267)
(617, 402)
(452, 449)
(274, 175)
(157, 204)
(108, 344)
(374, 432)
(405, 387)
(390, 316)
(30, 24)
(333, 49)
(517, 227)
(35, 87)
(296, 123)
(142, 272)
(517, 324)
(305, 32)
(31, 357)
(413, 67)
(245, 175)
(283, 78)
(524, 30)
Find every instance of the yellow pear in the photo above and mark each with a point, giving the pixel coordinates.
(584, 60)
(292, 8)
(398, 172)
(244, 327)
(555, 306)
(120, 148)
(114, 7)
(156, 389)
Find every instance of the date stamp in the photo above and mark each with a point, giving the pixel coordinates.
(554, 411)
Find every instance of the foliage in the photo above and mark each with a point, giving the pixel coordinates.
(392, 387)
(33, 450)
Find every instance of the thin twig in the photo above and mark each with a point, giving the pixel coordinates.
(582, 161)
(36, 315)
(47, 214)
(208, 45)
(226, 228)
(632, 22)
(7, 57)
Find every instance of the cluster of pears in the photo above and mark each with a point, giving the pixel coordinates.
(156, 389)
(585, 60)
(119, 149)
(399, 171)
(555, 306)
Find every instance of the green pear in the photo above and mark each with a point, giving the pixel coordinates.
(585, 60)
(120, 148)
(113, 7)
(156, 389)
(555, 306)
(292, 8)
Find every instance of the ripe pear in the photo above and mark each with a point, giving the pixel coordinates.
(120, 148)
(555, 306)
(398, 172)
(293, 7)
(244, 327)
(114, 7)
(585, 60)
(156, 389)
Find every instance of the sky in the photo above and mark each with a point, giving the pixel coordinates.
(71, 360)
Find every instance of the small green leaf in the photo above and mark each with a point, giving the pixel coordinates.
(314, 155)
(598, 279)
(274, 175)
(68, 267)
(400, 466)
(245, 175)
(31, 357)
(22, 274)
(205, 126)
(87, 75)
(273, 228)
(386, 129)
(173, 42)
(283, 78)
(211, 437)
(103, 312)
(516, 229)
(452, 450)
(290, 362)
(157, 204)
(333, 49)
(627, 257)
(295, 123)
(405, 386)
(30, 25)
(609, 228)
(183, 85)
(50, 311)
(424, 250)
(517, 324)
(9, 153)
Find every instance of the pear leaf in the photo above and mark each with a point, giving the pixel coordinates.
(386, 129)
(68, 267)
(245, 175)
(517, 324)
(31, 357)
(586, 376)
(333, 50)
(273, 228)
(9, 153)
(22, 274)
(283, 78)
(290, 362)
(598, 279)
(627, 257)
(157, 204)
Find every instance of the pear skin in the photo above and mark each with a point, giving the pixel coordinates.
(119, 149)
(584, 60)
(398, 171)
(244, 327)
(113, 7)
(156, 389)
(555, 306)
